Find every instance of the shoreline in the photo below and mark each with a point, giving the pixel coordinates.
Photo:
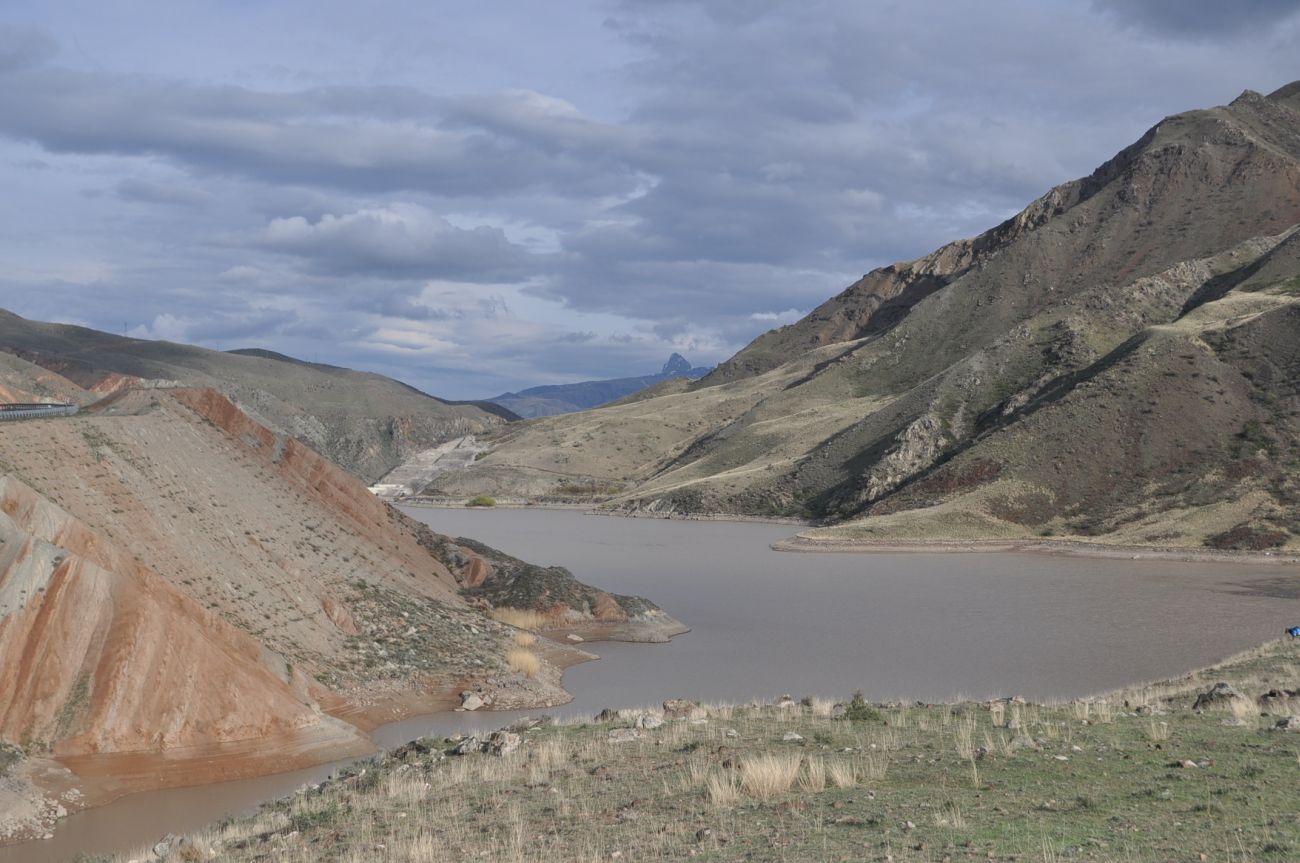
(808, 545)
(799, 544)
(589, 508)
(100, 782)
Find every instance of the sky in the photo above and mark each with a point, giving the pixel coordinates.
(481, 197)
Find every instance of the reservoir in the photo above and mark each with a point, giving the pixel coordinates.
(763, 624)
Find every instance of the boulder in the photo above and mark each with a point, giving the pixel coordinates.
(163, 848)
(472, 700)
(680, 708)
(649, 722)
(574, 637)
(1288, 723)
(502, 743)
(468, 745)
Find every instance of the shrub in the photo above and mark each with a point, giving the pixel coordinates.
(482, 500)
(858, 710)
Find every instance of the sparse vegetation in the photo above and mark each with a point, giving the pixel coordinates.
(521, 618)
(484, 500)
(1158, 781)
(524, 661)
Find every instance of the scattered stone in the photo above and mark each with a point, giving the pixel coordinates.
(680, 708)
(624, 735)
(791, 737)
(1217, 695)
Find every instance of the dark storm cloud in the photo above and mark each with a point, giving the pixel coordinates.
(1200, 19)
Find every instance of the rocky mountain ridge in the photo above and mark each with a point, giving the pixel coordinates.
(904, 392)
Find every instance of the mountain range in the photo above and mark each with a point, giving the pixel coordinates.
(1118, 362)
(555, 399)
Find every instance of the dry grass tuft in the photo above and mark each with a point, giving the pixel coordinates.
(814, 775)
(524, 661)
(766, 776)
(842, 774)
(522, 618)
(723, 788)
(525, 639)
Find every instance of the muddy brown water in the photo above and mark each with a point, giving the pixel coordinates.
(897, 626)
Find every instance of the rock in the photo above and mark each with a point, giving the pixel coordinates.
(467, 746)
(1288, 723)
(791, 737)
(624, 735)
(574, 637)
(679, 708)
(648, 722)
(1022, 741)
(1216, 696)
(163, 848)
(502, 743)
(471, 700)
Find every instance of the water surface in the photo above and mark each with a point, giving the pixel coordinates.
(764, 623)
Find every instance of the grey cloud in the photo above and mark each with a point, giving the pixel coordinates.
(24, 47)
(1200, 18)
(376, 139)
(144, 191)
(400, 241)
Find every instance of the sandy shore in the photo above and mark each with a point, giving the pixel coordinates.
(1074, 548)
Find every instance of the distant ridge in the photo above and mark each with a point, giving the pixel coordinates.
(556, 399)
(364, 422)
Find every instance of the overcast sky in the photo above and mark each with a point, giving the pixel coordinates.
(475, 197)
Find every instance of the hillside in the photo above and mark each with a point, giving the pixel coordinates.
(185, 593)
(555, 399)
(1037, 378)
(365, 422)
